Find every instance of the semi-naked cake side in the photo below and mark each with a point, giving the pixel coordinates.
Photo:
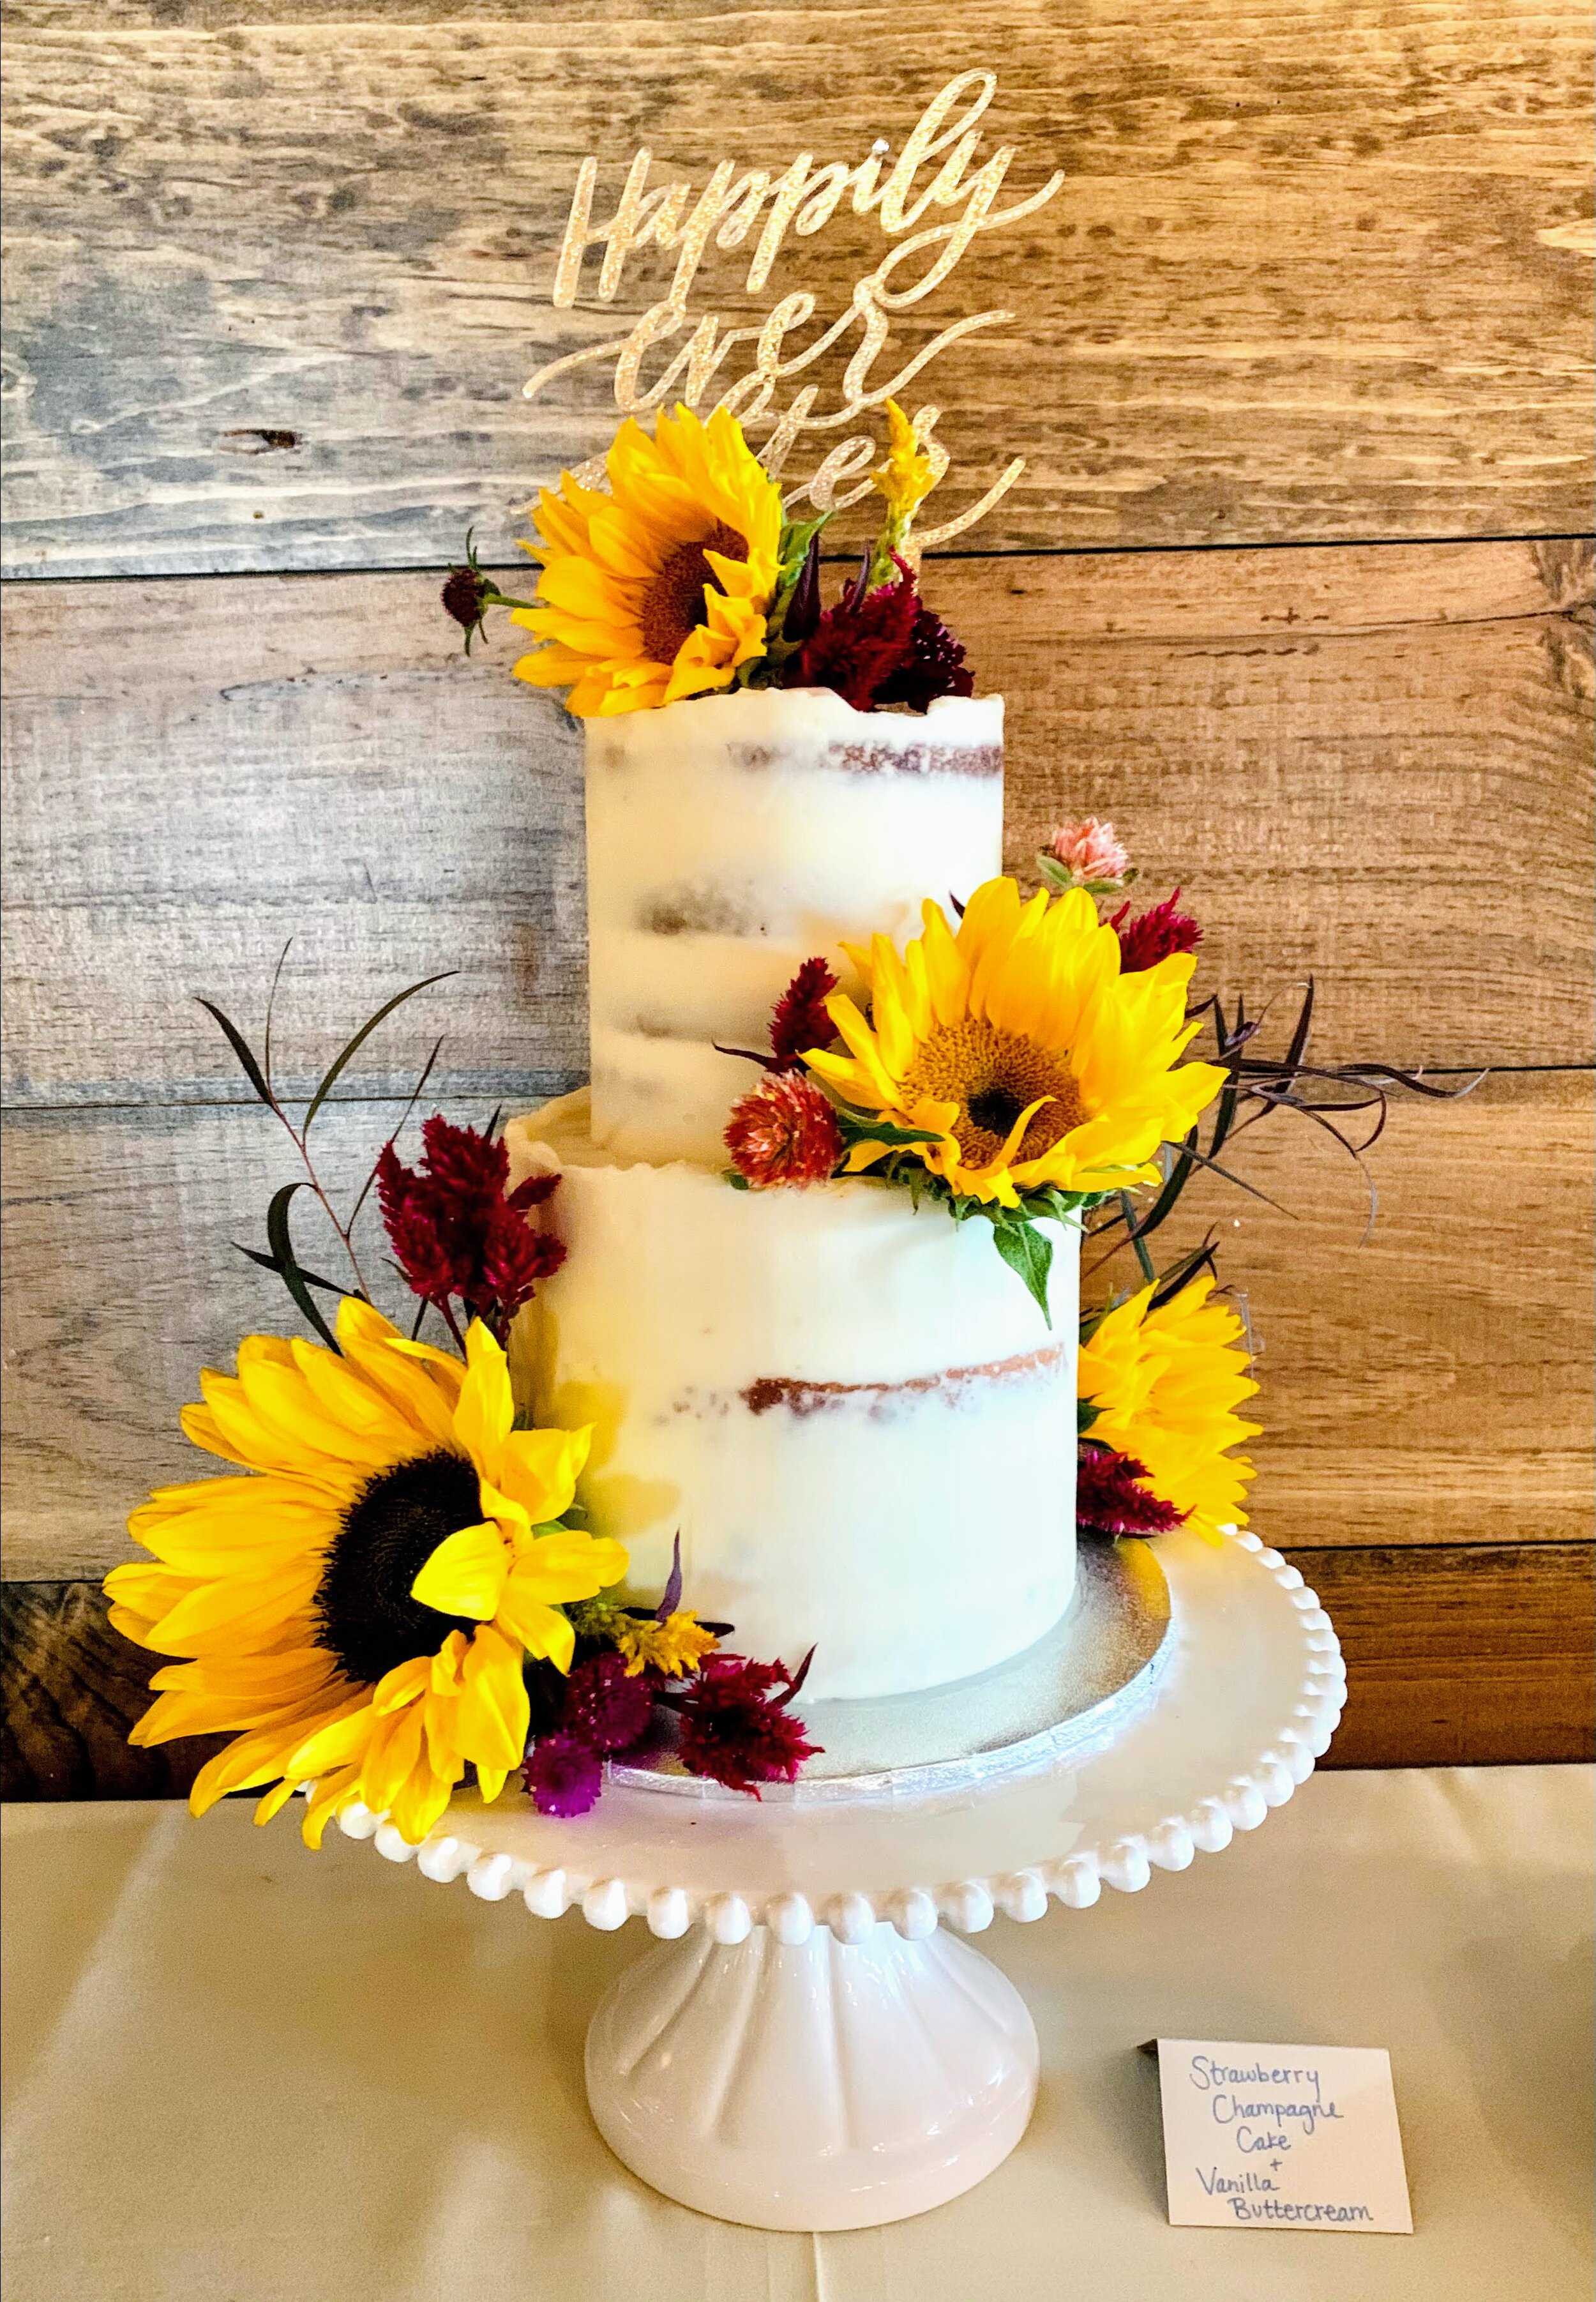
(856, 1419)
(848, 1409)
(730, 837)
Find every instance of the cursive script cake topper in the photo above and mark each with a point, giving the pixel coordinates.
(735, 209)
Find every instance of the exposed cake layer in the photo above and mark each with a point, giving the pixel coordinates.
(851, 1410)
(730, 837)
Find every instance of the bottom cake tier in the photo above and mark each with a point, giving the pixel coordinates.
(849, 1410)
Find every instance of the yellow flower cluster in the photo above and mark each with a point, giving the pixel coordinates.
(1166, 1384)
(676, 1646)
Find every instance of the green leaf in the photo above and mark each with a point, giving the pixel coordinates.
(242, 1048)
(1028, 1252)
(334, 1070)
(288, 1264)
(311, 1277)
(738, 1182)
(796, 536)
(1086, 1414)
(856, 1129)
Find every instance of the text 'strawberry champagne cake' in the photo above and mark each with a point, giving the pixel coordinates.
(856, 1423)
(772, 1334)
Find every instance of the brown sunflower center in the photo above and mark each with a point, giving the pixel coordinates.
(993, 1076)
(365, 1614)
(673, 604)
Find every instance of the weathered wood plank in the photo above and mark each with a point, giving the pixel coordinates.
(1466, 1658)
(1433, 1387)
(276, 276)
(1428, 1381)
(1398, 802)
(1478, 1657)
(71, 1688)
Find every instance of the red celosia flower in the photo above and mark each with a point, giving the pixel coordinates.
(455, 1230)
(1110, 1501)
(735, 1727)
(563, 1776)
(934, 666)
(783, 1131)
(603, 1708)
(858, 644)
(884, 646)
(800, 1020)
(1153, 934)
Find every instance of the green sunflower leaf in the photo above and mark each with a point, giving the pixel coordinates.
(856, 1127)
(346, 1054)
(1030, 1253)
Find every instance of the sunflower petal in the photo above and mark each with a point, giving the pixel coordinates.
(466, 1573)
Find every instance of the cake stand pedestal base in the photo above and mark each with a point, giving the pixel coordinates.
(813, 2085)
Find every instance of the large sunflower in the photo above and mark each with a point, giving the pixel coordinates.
(1019, 1045)
(658, 590)
(1166, 1384)
(359, 1612)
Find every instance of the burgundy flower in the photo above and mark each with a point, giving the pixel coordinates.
(467, 592)
(735, 1727)
(934, 666)
(1110, 1498)
(799, 1021)
(1153, 934)
(858, 644)
(603, 1708)
(563, 1776)
(456, 1232)
(783, 1131)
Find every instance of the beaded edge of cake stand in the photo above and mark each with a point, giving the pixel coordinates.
(968, 1906)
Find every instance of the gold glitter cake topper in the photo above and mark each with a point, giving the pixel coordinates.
(727, 213)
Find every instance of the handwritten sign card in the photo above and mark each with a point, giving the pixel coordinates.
(1281, 2138)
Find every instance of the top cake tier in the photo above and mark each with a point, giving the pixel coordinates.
(728, 839)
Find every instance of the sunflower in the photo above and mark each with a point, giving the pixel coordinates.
(1021, 1045)
(358, 1612)
(659, 589)
(1166, 1384)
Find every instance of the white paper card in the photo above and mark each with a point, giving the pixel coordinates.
(1281, 2138)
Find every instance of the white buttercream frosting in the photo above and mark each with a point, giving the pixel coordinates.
(851, 1410)
(730, 837)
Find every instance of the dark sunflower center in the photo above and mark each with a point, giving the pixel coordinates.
(993, 1076)
(993, 1110)
(366, 1614)
(673, 605)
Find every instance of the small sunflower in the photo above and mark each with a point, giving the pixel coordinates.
(1166, 1384)
(660, 589)
(1018, 1042)
(358, 1613)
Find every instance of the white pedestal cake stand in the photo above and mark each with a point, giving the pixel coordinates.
(805, 2048)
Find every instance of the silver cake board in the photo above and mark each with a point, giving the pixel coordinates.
(1070, 1694)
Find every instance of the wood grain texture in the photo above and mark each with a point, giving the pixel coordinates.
(1371, 765)
(71, 1688)
(276, 275)
(1429, 1387)
(1428, 1381)
(1479, 1657)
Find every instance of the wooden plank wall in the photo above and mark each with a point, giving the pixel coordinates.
(1295, 588)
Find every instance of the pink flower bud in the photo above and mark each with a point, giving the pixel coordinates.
(1091, 853)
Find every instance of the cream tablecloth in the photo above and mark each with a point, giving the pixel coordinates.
(238, 2073)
